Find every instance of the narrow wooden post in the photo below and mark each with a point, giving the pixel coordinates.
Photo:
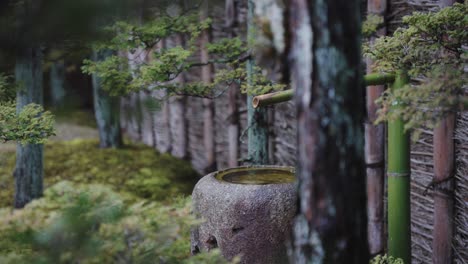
(399, 216)
(257, 119)
(444, 163)
(443, 190)
(375, 146)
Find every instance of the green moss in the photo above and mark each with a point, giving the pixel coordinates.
(136, 169)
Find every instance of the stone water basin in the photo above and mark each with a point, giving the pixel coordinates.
(246, 212)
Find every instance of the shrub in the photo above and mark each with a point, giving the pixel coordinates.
(384, 259)
(79, 223)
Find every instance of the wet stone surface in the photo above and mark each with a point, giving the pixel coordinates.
(250, 218)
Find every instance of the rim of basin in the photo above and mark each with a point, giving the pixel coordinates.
(257, 175)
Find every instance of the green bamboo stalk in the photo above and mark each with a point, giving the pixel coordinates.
(398, 172)
(287, 95)
(272, 98)
(378, 78)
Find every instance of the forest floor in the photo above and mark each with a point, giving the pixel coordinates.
(73, 155)
(134, 193)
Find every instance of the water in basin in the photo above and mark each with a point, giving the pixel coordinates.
(257, 175)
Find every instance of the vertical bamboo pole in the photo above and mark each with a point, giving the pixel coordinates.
(399, 220)
(444, 164)
(257, 119)
(375, 151)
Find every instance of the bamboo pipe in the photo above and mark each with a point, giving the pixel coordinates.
(378, 78)
(398, 172)
(272, 98)
(284, 96)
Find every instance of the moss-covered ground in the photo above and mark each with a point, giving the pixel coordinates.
(135, 169)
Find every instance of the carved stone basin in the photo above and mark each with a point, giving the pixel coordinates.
(246, 212)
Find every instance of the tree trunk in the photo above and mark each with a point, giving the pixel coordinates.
(147, 136)
(106, 111)
(375, 151)
(233, 121)
(208, 105)
(257, 118)
(330, 226)
(29, 171)
(179, 120)
(57, 83)
(142, 112)
(444, 168)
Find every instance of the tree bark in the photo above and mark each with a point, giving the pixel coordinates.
(233, 121)
(208, 105)
(106, 111)
(179, 120)
(330, 226)
(257, 119)
(375, 150)
(57, 83)
(29, 171)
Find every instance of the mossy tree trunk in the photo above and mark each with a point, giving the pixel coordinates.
(330, 226)
(444, 168)
(375, 151)
(57, 83)
(106, 111)
(233, 114)
(208, 105)
(257, 118)
(29, 170)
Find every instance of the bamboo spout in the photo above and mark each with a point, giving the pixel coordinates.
(378, 78)
(272, 98)
(284, 96)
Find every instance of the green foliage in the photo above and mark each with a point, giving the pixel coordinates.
(135, 169)
(372, 23)
(93, 224)
(113, 72)
(432, 49)
(157, 68)
(7, 90)
(384, 259)
(32, 125)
